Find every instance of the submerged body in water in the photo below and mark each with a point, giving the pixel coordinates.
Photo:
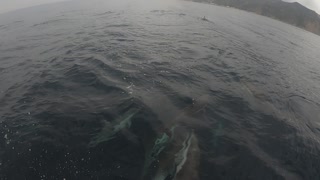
(150, 90)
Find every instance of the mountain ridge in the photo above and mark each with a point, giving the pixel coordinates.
(289, 12)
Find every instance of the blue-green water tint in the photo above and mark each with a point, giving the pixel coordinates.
(92, 89)
(159, 145)
(153, 157)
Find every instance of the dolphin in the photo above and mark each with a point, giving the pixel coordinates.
(107, 133)
(175, 154)
(181, 160)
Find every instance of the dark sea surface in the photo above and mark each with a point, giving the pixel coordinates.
(134, 89)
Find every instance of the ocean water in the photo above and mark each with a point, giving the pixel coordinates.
(136, 89)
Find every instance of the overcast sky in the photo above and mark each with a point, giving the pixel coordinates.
(9, 5)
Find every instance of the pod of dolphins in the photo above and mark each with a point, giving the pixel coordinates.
(174, 153)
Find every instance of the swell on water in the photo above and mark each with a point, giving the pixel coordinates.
(140, 90)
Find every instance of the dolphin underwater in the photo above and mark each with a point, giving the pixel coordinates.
(107, 133)
(169, 140)
(176, 153)
(181, 159)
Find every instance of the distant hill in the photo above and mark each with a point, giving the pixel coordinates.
(292, 13)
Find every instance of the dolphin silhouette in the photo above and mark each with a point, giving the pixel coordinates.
(175, 154)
